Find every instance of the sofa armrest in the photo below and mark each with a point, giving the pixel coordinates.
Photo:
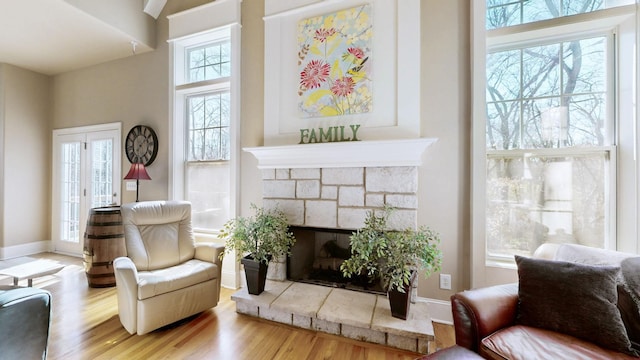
(127, 290)
(25, 315)
(480, 312)
(210, 251)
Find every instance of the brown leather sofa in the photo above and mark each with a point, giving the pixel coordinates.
(487, 319)
(25, 317)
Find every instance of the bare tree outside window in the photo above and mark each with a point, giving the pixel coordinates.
(547, 121)
(208, 119)
(547, 96)
(208, 62)
(503, 13)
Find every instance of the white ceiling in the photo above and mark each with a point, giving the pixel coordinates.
(52, 37)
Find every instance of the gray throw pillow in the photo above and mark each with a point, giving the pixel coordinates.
(629, 299)
(571, 298)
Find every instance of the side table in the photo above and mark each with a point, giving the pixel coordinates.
(31, 270)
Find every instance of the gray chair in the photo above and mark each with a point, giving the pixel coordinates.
(25, 318)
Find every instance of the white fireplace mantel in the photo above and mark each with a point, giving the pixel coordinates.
(405, 152)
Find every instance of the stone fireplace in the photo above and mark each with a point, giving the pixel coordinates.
(328, 188)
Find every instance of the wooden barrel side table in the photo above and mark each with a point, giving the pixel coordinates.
(103, 242)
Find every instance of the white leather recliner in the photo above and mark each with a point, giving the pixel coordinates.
(166, 275)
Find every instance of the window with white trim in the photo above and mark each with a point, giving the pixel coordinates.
(204, 116)
(209, 61)
(551, 120)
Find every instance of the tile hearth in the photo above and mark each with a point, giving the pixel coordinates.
(347, 313)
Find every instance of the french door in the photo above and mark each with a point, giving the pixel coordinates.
(86, 174)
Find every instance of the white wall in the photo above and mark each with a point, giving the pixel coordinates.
(252, 99)
(25, 159)
(125, 15)
(444, 199)
(131, 91)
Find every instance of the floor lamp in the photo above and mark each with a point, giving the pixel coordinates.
(137, 172)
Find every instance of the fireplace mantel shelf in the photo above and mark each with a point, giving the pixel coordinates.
(405, 152)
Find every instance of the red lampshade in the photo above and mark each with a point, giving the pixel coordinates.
(137, 172)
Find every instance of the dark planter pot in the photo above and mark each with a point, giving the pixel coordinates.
(399, 302)
(256, 275)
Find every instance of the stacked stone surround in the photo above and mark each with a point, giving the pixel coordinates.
(334, 186)
(355, 315)
(339, 198)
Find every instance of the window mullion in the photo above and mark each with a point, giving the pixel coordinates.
(522, 102)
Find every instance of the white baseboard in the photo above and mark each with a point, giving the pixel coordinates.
(229, 280)
(67, 253)
(31, 248)
(439, 310)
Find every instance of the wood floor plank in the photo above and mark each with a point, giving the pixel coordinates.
(85, 325)
(296, 346)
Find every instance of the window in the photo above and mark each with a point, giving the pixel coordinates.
(208, 62)
(550, 123)
(548, 96)
(203, 126)
(208, 119)
(504, 13)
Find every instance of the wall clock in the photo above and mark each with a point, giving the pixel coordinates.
(141, 145)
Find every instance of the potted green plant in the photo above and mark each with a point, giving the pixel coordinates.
(395, 256)
(257, 239)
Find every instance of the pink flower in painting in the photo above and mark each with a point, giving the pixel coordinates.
(322, 34)
(343, 86)
(357, 52)
(314, 73)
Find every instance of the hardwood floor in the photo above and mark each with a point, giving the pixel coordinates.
(85, 325)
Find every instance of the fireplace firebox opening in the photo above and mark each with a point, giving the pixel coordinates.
(317, 255)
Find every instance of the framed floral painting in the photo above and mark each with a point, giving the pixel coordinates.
(334, 63)
(348, 64)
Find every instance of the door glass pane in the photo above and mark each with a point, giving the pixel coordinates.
(102, 173)
(70, 193)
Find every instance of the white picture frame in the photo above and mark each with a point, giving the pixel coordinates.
(396, 71)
